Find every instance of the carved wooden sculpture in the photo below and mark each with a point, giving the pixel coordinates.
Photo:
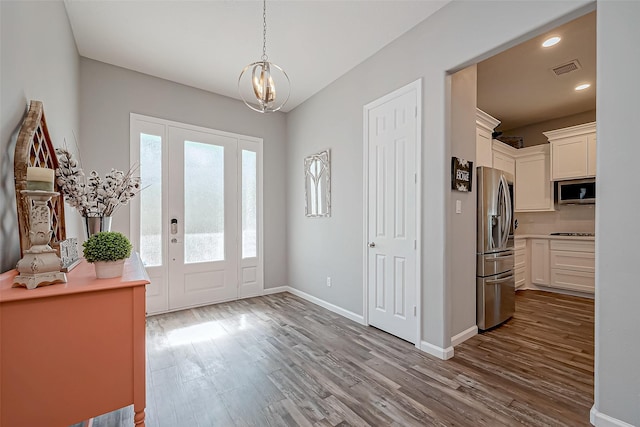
(35, 149)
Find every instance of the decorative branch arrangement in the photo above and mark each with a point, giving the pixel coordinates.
(94, 196)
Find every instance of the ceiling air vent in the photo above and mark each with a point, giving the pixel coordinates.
(566, 68)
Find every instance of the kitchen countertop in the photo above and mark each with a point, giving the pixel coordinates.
(547, 236)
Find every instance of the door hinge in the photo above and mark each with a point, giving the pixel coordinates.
(415, 311)
(415, 244)
(415, 178)
(415, 111)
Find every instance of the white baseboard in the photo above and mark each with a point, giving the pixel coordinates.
(434, 350)
(533, 287)
(276, 290)
(322, 303)
(464, 335)
(599, 419)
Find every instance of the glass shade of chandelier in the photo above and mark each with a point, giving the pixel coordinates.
(257, 81)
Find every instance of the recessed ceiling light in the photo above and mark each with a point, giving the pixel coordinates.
(551, 41)
(583, 86)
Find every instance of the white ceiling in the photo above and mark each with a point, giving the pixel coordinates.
(205, 44)
(518, 88)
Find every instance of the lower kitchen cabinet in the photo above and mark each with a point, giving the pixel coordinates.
(573, 265)
(520, 265)
(540, 274)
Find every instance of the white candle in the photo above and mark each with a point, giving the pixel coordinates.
(40, 179)
(40, 174)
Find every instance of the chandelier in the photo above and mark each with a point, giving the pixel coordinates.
(257, 81)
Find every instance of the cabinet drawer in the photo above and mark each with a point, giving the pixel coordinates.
(520, 259)
(577, 261)
(574, 245)
(573, 280)
(520, 244)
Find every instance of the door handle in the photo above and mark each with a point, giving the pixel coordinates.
(497, 258)
(372, 244)
(498, 281)
(174, 226)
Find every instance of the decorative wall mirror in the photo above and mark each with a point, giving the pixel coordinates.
(317, 184)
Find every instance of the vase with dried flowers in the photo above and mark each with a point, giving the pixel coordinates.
(94, 197)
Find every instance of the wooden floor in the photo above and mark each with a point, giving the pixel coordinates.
(279, 360)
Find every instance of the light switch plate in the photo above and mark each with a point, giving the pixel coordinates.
(458, 206)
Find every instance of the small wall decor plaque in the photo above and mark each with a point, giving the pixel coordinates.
(461, 174)
(69, 254)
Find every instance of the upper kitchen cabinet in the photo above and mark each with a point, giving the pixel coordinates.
(504, 157)
(573, 152)
(534, 188)
(485, 124)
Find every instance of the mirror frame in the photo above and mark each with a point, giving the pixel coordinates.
(315, 183)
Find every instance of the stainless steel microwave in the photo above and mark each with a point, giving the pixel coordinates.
(582, 191)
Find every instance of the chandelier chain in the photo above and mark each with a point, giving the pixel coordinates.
(264, 30)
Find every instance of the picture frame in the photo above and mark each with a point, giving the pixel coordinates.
(69, 254)
(461, 174)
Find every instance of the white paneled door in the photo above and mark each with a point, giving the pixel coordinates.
(391, 147)
(197, 222)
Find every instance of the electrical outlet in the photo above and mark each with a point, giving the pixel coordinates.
(328, 281)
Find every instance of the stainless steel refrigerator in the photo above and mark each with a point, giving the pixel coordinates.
(495, 276)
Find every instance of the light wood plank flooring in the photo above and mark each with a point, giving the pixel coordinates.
(281, 361)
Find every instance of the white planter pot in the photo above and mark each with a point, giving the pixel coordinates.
(109, 269)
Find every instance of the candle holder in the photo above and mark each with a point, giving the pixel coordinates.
(40, 265)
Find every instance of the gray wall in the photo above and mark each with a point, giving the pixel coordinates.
(448, 41)
(461, 233)
(617, 256)
(109, 94)
(39, 61)
(532, 133)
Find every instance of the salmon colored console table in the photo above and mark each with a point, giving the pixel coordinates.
(72, 351)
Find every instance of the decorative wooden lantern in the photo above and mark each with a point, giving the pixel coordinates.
(35, 149)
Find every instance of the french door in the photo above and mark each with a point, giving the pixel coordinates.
(197, 222)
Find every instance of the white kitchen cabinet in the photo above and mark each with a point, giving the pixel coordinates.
(485, 124)
(540, 274)
(591, 154)
(534, 188)
(520, 264)
(502, 158)
(573, 153)
(573, 265)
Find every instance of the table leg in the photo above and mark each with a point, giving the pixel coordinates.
(138, 418)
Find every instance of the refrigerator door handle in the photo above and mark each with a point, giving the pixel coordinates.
(498, 281)
(506, 205)
(498, 258)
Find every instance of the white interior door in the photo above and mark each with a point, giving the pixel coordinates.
(198, 222)
(391, 213)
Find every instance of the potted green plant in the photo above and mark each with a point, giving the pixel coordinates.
(107, 250)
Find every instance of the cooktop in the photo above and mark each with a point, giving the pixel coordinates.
(574, 234)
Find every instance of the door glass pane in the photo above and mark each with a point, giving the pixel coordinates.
(203, 202)
(249, 205)
(151, 199)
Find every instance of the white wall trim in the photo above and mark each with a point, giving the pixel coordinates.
(324, 304)
(464, 335)
(276, 290)
(599, 419)
(434, 350)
